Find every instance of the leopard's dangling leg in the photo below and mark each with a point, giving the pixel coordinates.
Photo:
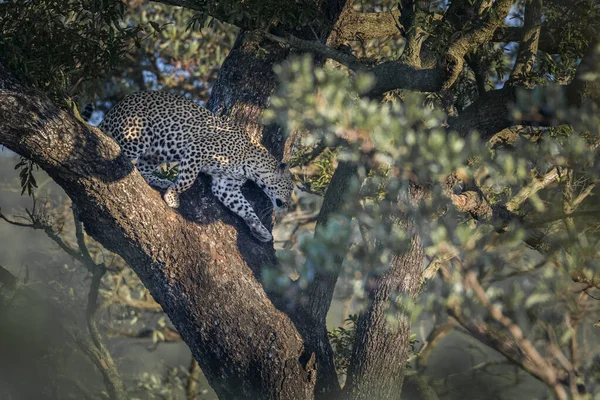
(228, 191)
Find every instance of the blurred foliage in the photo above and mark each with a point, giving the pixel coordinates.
(315, 178)
(407, 141)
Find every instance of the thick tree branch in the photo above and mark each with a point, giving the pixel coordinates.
(412, 16)
(491, 112)
(388, 75)
(489, 20)
(244, 96)
(204, 285)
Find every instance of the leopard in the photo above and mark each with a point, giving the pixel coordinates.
(154, 127)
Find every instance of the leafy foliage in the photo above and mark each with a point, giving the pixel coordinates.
(74, 43)
(174, 54)
(342, 340)
(258, 14)
(28, 182)
(407, 141)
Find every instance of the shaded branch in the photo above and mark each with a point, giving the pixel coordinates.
(438, 332)
(315, 300)
(528, 46)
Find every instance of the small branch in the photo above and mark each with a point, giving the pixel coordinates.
(169, 334)
(83, 249)
(192, 380)
(316, 47)
(36, 224)
(435, 336)
(547, 371)
(553, 218)
(535, 186)
(584, 194)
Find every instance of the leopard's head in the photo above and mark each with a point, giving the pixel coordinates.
(279, 186)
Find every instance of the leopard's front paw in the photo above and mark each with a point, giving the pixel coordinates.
(171, 198)
(260, 232)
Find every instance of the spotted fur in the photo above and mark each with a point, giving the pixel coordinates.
(155, 127)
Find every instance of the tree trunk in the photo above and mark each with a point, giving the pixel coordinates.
(242, 92)
(376, 369)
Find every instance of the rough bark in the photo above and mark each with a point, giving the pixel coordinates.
(189, 262)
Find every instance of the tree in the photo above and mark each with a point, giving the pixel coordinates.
(498, 158)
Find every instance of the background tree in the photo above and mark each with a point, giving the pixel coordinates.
(462, 141)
